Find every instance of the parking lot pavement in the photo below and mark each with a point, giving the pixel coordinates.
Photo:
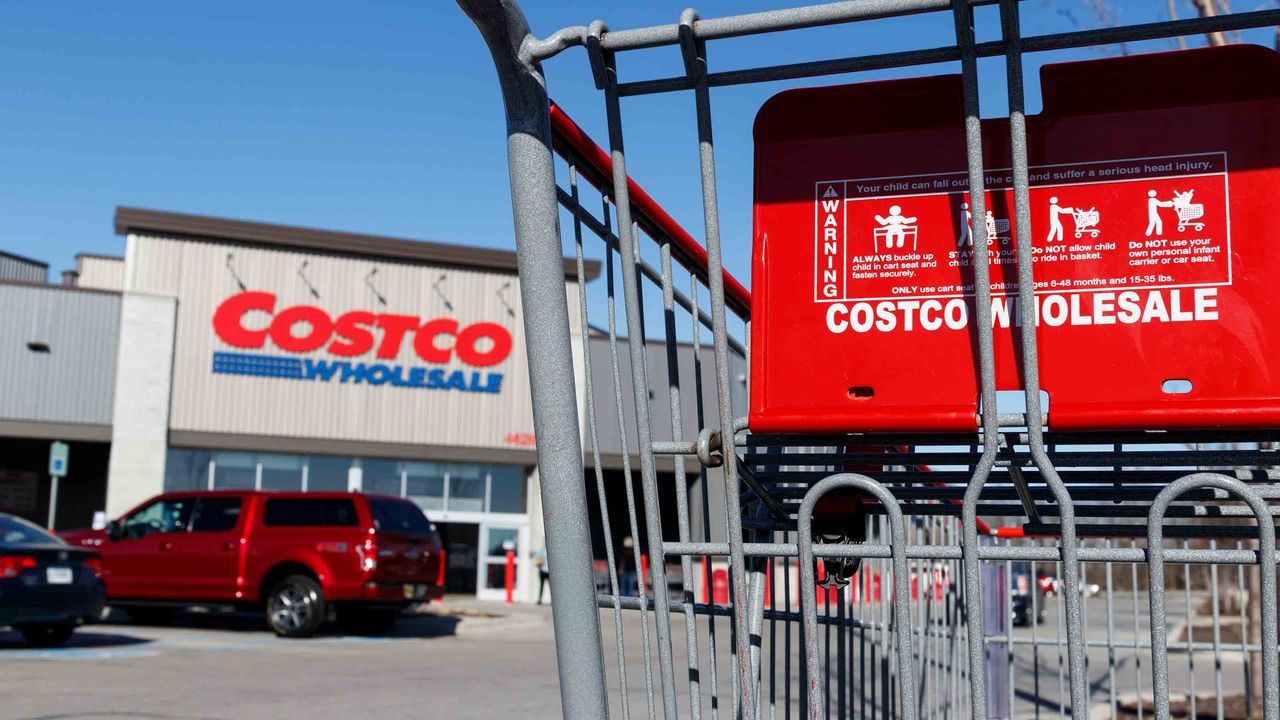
(468, 660)
(465, 663)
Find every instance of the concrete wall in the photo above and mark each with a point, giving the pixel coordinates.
(140, 423)
(73, 381)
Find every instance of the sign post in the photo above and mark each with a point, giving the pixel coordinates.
(59, 457)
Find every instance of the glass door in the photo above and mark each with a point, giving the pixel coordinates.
(494, 542)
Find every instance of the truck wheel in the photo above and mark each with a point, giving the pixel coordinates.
(47, 635)
(296, 607)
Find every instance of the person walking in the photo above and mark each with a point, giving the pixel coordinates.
(544, 570)
(627, 583)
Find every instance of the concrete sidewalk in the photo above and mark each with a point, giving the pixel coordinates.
(486, 616)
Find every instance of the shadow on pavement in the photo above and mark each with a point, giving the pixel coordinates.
(407, 627)
(424, 626)
(83, 639)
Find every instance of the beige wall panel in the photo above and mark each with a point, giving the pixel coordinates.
(100, 273)
(203, 274)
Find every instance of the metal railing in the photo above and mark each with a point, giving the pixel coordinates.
(900, 602)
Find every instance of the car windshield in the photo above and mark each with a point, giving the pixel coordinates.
(398, 516)
(17, 532)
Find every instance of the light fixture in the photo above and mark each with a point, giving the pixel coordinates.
(307, 281)
(502, 296)
(436, 286)
(368, 280)
(234, 274)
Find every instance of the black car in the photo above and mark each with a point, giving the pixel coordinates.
(1028, 594)
(47, 587)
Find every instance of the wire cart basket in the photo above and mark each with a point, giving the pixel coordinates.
(832, 568)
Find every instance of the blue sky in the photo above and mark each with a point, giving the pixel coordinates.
(379, 117)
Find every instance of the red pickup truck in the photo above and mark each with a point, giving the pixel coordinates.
(293, 555)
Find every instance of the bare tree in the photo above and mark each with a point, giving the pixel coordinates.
(1173, 15)
(1208, 8)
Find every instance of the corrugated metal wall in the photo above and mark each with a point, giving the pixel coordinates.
(659, 393)
(607, 427)
(203, 274)
(14, 267)
(73, 382)
(103, 273)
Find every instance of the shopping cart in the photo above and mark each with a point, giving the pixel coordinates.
(1187, 214)
(997, 230)
(1184, 556)
(1086, 222)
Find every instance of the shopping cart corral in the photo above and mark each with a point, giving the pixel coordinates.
(835, 544)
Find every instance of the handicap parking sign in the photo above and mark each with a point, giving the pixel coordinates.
(59, 455)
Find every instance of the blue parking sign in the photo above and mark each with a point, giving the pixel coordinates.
(59, 457)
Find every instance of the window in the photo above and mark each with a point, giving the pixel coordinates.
(216, 514)
(466, 488)
(495, 576)
(326, 473)
(398, 516)
(17, 531)
(281, 472)
(235, 471)
(424, 484)
(381, 477)
(186, 470)
(170, 515)
(506, 489)
(309, 512)
(498, 538)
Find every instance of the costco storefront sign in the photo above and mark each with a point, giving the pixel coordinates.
(250, 320)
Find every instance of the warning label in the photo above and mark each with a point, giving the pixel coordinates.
(1117, 229)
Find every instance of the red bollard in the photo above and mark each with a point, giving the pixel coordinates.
(511, 574)
(440, 572)
(720, 586)
(706, 587)
(644, 570)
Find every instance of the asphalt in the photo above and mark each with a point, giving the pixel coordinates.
(468, 659)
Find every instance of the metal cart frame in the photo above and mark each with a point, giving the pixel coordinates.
(769, 505)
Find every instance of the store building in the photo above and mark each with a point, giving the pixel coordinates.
(226, 354)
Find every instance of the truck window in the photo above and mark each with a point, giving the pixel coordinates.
(171, 515)
(309, 512)
(216, 514)
(398, 516)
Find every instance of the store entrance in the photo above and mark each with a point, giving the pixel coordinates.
(461, 546)
(498, 539)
